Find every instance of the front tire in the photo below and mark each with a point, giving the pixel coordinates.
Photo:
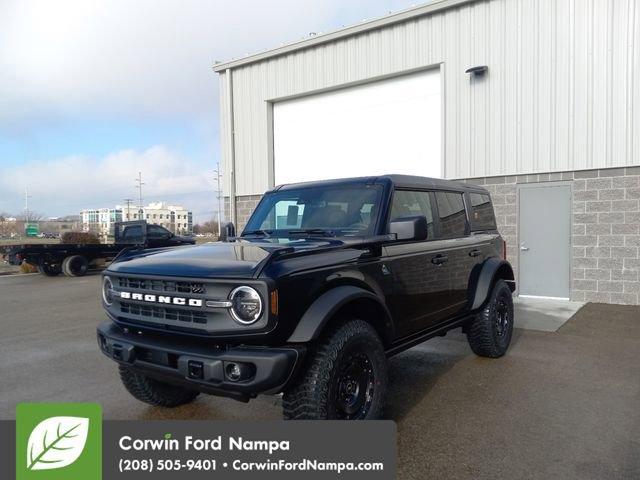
(489, 333)
(345, 378)
(154, 392)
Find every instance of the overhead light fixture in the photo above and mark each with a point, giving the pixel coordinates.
(477, 71)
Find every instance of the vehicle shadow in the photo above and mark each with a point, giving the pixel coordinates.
(414, 373)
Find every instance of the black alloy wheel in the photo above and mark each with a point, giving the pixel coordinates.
(355, 387)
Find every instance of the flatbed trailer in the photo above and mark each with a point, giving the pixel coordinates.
(74, 260)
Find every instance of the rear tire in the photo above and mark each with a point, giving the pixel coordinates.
(75, 266)
(154, 392)
(489, 333)
(344, 379)
(49, 270)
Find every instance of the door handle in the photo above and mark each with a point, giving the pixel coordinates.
(439, 259)
(524, 249)
(475, 253)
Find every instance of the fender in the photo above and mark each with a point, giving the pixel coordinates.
(480, 285)
(326, 305)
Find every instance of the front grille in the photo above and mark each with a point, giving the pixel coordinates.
(163, 313)
(162, 285)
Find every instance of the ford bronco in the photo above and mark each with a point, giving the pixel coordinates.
(327, 280)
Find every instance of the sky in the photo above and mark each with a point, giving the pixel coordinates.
(92, 92)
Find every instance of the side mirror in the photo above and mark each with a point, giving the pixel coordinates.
(228, 231)
(409, 228)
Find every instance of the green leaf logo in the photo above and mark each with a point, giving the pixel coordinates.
(56, 442)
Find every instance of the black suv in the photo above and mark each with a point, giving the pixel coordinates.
(327, 280)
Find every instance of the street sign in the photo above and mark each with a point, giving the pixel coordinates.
(31, 229)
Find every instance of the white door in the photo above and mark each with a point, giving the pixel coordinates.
(388, 126)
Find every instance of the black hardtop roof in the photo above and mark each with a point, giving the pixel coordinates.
(398, 181)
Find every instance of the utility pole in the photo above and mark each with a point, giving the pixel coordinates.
(218, 175)
(128, 202)
(139, 187)
(26, 203)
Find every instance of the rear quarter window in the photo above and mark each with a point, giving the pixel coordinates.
(453, 218)
(482, 216)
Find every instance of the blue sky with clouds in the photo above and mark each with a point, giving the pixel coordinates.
(91, 92)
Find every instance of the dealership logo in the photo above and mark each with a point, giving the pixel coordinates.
(149, 297)
(58, 441)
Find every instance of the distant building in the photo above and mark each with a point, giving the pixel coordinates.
(174, 218)
(9, 227)
(100, 221)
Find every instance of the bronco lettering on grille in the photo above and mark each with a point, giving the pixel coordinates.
(147, 297)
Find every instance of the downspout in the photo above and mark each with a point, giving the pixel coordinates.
(232, 148)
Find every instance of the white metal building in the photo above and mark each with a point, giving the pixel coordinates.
(551, 126)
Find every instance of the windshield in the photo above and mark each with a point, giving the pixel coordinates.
(339, 210)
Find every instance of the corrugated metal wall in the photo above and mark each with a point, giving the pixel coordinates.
(562, 91)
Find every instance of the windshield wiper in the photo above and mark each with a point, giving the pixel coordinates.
(313, 231)
(259, 233)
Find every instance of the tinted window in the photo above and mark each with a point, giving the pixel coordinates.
(153, 231)
(453, 219)
(482, 216)
(408, 204)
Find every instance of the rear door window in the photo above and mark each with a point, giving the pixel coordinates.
(408, 203)
(451, 213)
(482, 216)
(156, 232)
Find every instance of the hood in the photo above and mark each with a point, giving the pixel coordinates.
(184, 239)
(239, 259)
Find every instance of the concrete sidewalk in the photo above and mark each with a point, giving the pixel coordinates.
(543, 314)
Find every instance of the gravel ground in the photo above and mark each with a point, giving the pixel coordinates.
(6, 269)
(558, 405)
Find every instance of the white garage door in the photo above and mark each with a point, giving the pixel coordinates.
(389, 126)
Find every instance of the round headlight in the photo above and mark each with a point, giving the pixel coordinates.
(107, 291)
(246, 305)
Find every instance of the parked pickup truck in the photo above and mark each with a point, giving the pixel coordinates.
(327, 280)
(75, 259)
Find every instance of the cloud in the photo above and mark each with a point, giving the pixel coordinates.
(67, 185)
(142, 58)
(69, 62)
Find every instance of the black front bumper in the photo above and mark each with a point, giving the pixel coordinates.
(198, 365)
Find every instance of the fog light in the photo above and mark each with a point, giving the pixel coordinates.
(237, 372)
(233, 372)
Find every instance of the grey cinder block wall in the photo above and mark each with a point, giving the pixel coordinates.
(605, 228)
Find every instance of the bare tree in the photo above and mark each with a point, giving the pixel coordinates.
(30, 216)
(210, 226)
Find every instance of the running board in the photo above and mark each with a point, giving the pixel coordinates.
(417, 338)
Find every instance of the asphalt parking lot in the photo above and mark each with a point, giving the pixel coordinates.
(560, 404)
